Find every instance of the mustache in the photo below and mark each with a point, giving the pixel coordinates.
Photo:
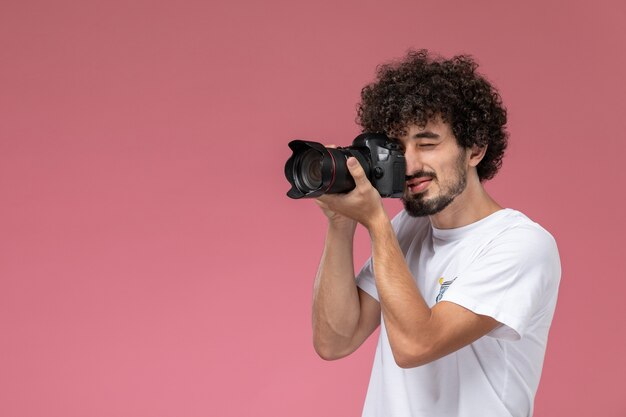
(419, 174)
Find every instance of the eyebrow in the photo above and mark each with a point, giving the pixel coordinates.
(426, 134)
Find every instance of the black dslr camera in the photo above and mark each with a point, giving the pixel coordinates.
(314, 170)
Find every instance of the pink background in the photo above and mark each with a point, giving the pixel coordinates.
(150, 263)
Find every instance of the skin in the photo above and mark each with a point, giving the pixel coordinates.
(344, 315)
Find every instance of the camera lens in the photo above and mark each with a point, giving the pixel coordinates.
(308, 170)
(314, 170)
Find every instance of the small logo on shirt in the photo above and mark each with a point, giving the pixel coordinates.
(444, 287)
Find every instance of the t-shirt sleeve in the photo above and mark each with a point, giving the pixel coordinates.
(510, 280)
(365, 280)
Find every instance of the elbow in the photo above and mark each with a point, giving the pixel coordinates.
(412, 356)
(328, 355)
(329, 352)
(408, 362)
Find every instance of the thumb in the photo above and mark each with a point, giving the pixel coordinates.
(356, 170)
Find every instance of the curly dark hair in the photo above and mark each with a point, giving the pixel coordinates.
(423, 87)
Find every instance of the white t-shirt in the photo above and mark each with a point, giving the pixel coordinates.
(504, 266)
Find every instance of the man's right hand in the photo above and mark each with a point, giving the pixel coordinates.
(337, 220)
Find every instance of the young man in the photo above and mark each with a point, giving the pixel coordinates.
(464, 290)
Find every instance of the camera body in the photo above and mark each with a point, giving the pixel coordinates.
(314, 170)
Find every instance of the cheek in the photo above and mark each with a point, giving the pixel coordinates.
(449, 171)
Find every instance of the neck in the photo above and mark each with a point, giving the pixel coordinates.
(471, 205)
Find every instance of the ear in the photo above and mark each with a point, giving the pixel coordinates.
(476, 154)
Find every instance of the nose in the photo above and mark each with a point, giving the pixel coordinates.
(413, 161)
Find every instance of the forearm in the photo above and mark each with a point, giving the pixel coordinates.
(417, 333)
(406, 314)
(335, 296)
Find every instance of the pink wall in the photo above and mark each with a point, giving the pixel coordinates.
(150, 264)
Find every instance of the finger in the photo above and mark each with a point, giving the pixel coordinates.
(356, 170)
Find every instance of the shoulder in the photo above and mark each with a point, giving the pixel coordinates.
(402, 222)
(524, 249)
(516, 229)
(408, 228)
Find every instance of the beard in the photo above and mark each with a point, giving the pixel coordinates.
(417, 205)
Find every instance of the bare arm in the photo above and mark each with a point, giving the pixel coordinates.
(343, 315)
(417, 333)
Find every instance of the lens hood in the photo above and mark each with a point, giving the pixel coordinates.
(311, 170)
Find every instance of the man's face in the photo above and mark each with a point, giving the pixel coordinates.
(436, 168)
